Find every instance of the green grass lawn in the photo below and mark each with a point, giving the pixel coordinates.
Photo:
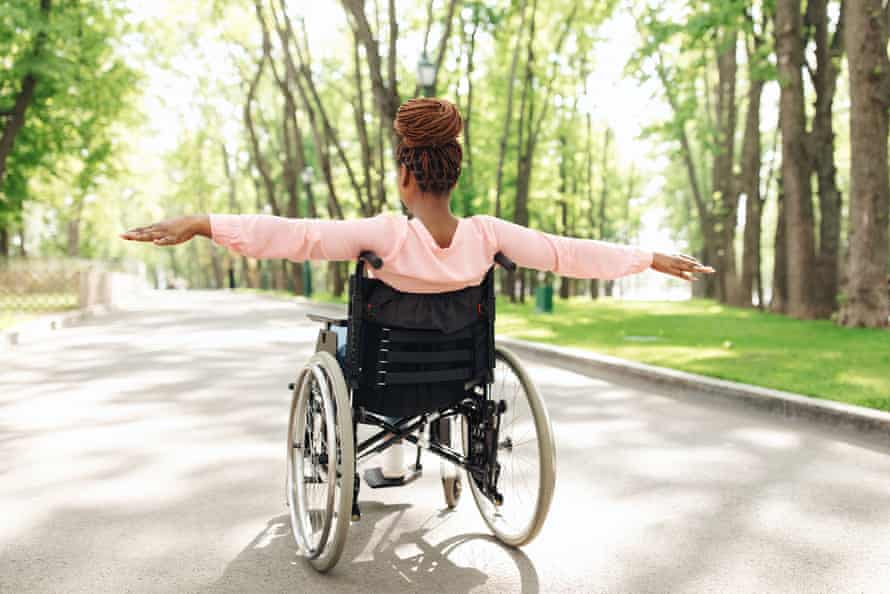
(815, 358)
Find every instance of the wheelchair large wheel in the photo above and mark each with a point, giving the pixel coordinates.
(526, 453)
(320, 462)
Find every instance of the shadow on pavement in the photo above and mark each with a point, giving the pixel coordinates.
(373, 561)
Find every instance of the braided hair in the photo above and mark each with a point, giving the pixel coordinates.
(428, 147)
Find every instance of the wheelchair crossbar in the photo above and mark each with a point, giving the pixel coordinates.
(424, 336)
(364, 449)
(424, 377)
(395, 431)
(454, 356)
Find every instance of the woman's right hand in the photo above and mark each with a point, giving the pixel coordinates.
(172, 231)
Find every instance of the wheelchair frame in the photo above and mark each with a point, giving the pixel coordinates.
(483, 415)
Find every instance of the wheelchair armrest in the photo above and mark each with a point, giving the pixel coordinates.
(327, 319)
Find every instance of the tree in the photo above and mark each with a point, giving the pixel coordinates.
(796, 168)
(66, 89)
(866, 34)
(821, 142)
(683, 58)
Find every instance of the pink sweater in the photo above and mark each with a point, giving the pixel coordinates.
(412, 260)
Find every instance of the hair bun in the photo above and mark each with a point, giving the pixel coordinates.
(428, 122)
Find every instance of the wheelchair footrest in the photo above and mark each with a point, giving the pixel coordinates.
(375, 479)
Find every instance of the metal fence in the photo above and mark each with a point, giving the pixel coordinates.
(40, 285)
(35, 285)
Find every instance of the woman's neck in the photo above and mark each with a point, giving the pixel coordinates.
(438, 219)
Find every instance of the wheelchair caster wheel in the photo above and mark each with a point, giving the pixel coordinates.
(452, 488)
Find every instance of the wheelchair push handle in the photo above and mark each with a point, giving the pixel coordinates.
(371, 258)
(505, 262)
(376, 261)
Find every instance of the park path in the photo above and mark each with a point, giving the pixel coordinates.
(142, 451)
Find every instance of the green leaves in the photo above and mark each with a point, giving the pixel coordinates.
(83, 87)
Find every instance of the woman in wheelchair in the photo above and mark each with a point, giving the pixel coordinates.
(416, 356)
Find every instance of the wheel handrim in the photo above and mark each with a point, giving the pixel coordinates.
(522, 479)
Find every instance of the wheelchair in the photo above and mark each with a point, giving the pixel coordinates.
(422, 369)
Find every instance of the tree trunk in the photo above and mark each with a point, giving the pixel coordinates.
(709, 250)
(22, 100)
(278, 271)
(251, 272)
(565, 283)
(468, 109)
(508, 115)
(292, 165)
(259, 159)
(386, 93)
(302, 76)
(795, 163)
(866, 291)
(338, 279)
(233, 208)
(72, 249)
(16, 121)
(591, 207)
(529, 124)
(525, 149)
(750, 185)
(604, 186)
(821, 143)
(724, 159)
(443, 43)
(779, 301)
(358, 109)
(216, 265)
(74, 228)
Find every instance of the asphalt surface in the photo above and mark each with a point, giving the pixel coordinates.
(143, 451)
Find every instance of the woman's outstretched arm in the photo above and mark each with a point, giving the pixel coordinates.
(267, 236)
(583, 258)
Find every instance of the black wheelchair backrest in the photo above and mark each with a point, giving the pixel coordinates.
(410, 353)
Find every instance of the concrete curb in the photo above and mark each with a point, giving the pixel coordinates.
(47, 323)
(858, 419)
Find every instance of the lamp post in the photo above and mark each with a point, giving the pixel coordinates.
(307, 176)
(426, 75)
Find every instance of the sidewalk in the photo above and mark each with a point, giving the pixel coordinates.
(44, 324)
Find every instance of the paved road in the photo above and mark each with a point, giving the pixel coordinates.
(143, 452)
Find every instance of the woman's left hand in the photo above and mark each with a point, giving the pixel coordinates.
(680, 265)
